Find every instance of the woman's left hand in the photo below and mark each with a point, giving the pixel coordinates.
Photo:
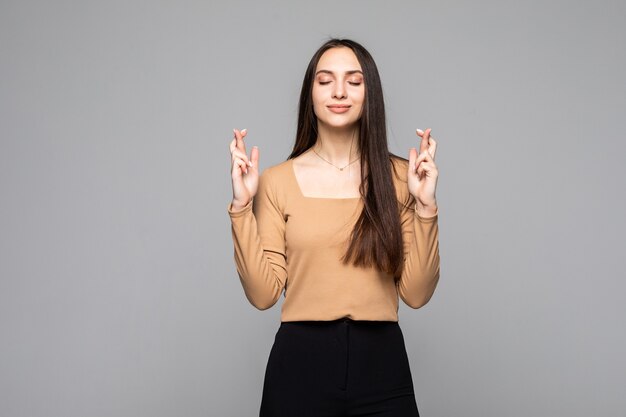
(423, 173)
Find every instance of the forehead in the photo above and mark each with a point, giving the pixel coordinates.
(339, 59)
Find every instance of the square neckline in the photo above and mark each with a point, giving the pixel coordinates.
(297, 186)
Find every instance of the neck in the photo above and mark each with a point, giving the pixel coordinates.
(338, 146)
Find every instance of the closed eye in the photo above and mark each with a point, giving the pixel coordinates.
(328, 82)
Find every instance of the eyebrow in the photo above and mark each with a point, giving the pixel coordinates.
(347, 72)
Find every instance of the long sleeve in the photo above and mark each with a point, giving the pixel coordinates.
(421, 250)
(258, 232)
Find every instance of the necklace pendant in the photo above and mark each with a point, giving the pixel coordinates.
(340, 169)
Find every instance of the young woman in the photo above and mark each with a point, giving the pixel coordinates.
(344, 228)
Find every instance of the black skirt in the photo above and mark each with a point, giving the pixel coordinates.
(338, 368)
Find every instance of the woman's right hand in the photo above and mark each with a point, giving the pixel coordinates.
(244, 170)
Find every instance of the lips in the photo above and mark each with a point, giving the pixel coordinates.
(339, 108)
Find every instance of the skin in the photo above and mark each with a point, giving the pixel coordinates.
(336, 84)
(338, 81)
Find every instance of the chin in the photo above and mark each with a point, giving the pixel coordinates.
(343, 124)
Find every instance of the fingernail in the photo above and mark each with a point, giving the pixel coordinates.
(234, 131)
(249, 163)
(419, 131)
(243, 130)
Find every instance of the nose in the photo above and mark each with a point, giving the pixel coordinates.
(339, 91)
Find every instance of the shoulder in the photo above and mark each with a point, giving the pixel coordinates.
(274, 183)
(400, 167)
(399, 172)
(277, 173)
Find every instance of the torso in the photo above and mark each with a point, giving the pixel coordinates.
(319, 179)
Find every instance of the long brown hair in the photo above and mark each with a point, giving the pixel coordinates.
(376, 239)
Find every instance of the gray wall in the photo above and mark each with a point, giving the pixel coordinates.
(118, 291)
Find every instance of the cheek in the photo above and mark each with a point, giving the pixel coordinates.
(361, 102)
(316, 96)
(359, 96)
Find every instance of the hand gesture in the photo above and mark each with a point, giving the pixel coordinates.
(244, 170)
(423, 173)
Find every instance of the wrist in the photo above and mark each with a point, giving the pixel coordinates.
(426, 210)
(236, 205)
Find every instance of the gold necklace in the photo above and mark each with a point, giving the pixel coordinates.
(340, 169)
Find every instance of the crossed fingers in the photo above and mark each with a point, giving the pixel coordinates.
(238, 150)
(427, 143)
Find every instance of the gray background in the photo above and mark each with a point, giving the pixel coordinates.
(118, 292)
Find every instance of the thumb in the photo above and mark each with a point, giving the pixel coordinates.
(254, 157)
(412, 159)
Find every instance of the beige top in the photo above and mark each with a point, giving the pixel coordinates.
(284, 240)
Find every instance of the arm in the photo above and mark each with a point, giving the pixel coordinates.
(420, 274)
(258, 232)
